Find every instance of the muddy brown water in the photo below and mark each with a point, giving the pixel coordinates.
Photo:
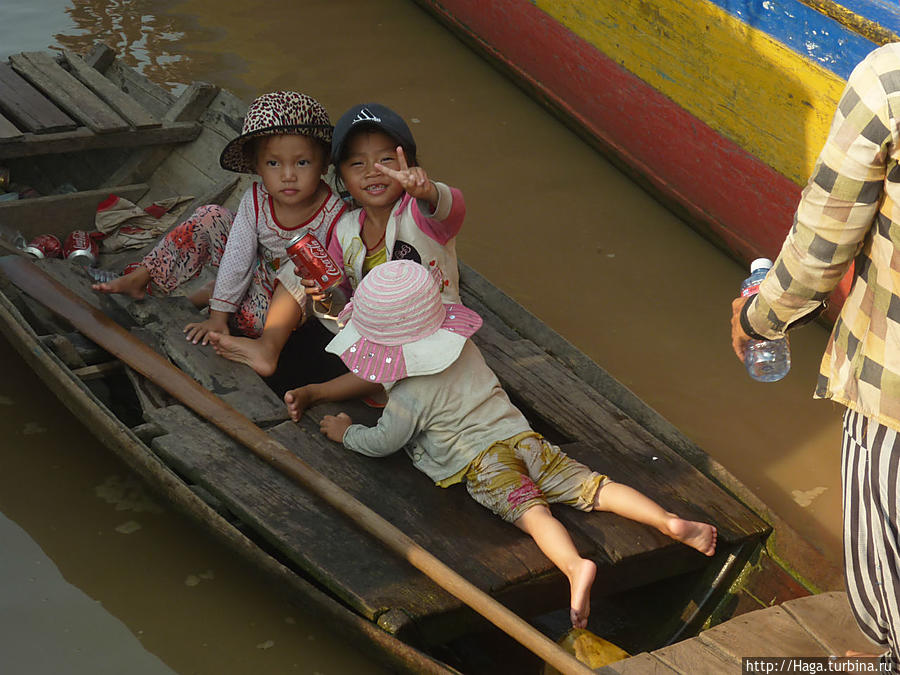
(549, 220)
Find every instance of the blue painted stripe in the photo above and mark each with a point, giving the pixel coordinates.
(882, 12)
(804, 30)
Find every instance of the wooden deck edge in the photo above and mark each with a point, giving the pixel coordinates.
(795, 555)
(82, 403)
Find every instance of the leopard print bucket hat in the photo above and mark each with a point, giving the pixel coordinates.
(278, 112)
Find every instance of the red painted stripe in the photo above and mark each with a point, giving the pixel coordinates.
(746, 203)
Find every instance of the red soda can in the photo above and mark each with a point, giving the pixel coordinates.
(313, 261)
(81, 248)
(44, 246)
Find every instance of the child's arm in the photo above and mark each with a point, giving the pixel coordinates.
(334, 426)
(234, 275)
(397, 425)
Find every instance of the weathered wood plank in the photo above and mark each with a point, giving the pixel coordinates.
(81, 139)
(642, 664)
(60, 214)
(67, 92)
(693, 656)
(828, 618)
(151, 96)
(27, 107)
(8, 130)
(100, 57)
(110, 94)
(315, 538)
(765, 632)
(234, 382)
(192, 103)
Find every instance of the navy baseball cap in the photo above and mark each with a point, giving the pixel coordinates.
(377, 116)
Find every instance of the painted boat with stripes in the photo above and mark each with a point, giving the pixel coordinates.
(99, 128)
(718, 107)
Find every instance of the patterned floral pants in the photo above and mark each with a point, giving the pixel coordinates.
(200, 240)
(513, 475)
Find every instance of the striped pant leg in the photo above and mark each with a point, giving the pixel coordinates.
(869, 473)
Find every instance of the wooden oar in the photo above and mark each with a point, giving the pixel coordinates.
(129, 349)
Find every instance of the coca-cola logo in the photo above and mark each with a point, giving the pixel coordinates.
(322, 255)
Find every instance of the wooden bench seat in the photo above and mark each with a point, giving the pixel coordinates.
(65, 105)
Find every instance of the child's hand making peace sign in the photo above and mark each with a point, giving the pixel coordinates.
(413, 179)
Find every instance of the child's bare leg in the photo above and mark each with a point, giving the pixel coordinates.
(555, 542)
(262, 353)
(133, 284)
(341, 388)
(629, 503)
(200, 297)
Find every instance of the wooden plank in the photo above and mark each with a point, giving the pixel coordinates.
(236, 383)
(192, 103)
(765, 632)
(8, 129)
(81, 139)
(60, 214)
(642, 664)
(316, 539)
(151, 96)
(27, 107)
(693, 656)
(67, 92)
(100, 58)
(117, 99)
(828, 618)
(98, 371)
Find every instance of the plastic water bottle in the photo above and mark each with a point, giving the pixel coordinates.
(766, 360)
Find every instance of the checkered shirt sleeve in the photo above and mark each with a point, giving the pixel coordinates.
(849, 211)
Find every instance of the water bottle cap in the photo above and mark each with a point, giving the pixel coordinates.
(760, 264)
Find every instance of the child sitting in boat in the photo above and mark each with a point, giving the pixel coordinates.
(400, 214)
(285, 140)
(446, 407)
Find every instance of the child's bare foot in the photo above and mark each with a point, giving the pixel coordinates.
(133, 285)
(249, 351)
(580, 582)
(297, 401)
(701, 536)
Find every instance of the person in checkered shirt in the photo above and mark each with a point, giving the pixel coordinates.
(849, 213)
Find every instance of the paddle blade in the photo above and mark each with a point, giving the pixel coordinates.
(592, 650)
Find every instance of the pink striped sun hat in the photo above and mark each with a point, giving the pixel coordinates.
(396, 325)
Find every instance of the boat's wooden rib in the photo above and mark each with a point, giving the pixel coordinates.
(77, 140)
(60, 214)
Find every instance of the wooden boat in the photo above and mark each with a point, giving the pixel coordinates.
(718, 108)
(103, 128)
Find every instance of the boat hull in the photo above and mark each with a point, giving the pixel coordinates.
(720, 109)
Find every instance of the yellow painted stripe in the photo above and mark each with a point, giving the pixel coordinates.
(749, 87)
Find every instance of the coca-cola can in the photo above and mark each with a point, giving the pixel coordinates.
(81, 248)
(313, 261)
(44, 246)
